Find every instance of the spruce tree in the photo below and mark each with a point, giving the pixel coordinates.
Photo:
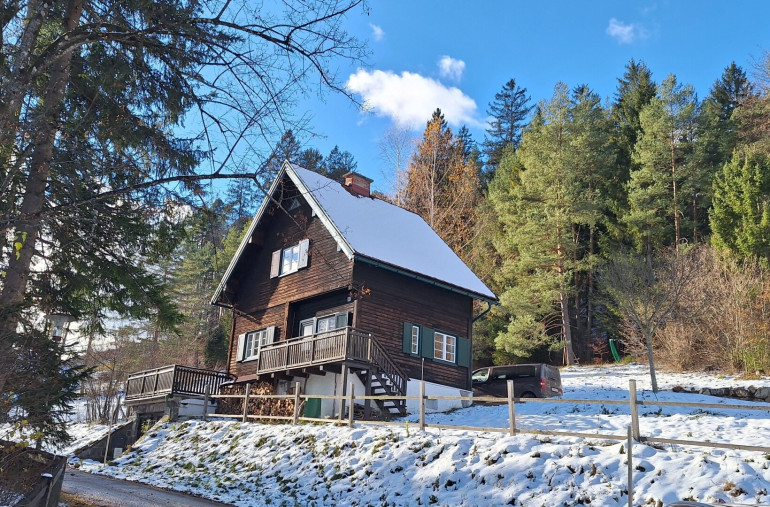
(112, 117)
(508, 112)
(740, 217)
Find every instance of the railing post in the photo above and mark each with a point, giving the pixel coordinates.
(511, 410)
(350, 405)
(246, 403)
(422, 405)
(296, 404)
(634, 410)
(369, 348)
(206, 393)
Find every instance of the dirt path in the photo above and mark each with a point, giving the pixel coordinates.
(102, 491)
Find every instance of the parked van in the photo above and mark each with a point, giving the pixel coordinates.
(529, 381)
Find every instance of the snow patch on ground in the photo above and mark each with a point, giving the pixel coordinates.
(275, 464)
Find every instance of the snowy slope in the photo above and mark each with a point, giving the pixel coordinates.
(256, 464)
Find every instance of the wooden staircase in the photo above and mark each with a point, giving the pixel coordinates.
(380, 384)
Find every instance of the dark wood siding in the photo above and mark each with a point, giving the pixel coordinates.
(390, 299)
(260, 301)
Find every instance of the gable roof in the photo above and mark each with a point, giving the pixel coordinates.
(374, 231)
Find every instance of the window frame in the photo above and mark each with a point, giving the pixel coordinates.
(253, 341)
(290, 259)
(415, 346)
(441, 347)
(315, 321)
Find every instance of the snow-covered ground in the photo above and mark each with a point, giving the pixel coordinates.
(276, 464)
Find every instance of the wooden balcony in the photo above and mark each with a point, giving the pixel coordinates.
(173, 380)
(345, 344)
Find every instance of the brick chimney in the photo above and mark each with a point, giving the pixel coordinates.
(357, 184)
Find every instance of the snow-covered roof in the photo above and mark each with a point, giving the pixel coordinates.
(377, 231)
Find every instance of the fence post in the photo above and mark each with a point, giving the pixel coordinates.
(511, 410)
(634, 410)
(630, 469)
(206, 393)
(350, 405)
(296, 404)
(246, 403)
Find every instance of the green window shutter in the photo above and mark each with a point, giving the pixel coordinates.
(463, 352)
(426, 342)
(406, 345)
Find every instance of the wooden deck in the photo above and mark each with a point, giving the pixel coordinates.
(173, 379)
(345, 344)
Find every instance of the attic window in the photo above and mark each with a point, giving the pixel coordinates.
(293, 204)
(290, 259)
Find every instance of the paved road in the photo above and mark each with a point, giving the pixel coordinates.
(103, 491)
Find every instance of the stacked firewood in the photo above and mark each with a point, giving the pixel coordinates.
(257, 405)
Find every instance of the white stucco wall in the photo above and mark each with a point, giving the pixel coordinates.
(329, 385)
(431, 389)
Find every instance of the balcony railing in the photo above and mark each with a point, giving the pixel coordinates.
(330, 347)
(174, 379)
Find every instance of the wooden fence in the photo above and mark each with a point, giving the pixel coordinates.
(347, 417)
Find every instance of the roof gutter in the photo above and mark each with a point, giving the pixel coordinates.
(432, 281)
(481, 315)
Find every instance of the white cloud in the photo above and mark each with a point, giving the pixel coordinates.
(625, 33)
(409, 99)
(450, 68)
(377, 32)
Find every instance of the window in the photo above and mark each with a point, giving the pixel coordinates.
(444, 347)
(290, 259)
(250, 344)
(415, 340)
(323, 324)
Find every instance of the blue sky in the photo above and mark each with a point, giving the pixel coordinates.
(457, 55)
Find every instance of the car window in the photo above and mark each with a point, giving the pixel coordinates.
(480, 375)
(524, 372)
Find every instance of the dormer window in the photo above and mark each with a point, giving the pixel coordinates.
(290, 259)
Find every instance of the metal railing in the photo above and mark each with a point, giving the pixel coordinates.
(174, 379)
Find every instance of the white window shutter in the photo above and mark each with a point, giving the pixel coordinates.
(241, 344)
(275, 264)
(270, 331)
(303, 248)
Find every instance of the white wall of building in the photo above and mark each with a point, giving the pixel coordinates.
(431, 389)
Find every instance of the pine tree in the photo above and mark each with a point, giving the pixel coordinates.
(337, 164)
(311, 159)
(537, 244)
(635, 90)
(509, 111)
(288, 148)
(661, 189)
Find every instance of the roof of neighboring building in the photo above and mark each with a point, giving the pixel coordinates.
(378, 232)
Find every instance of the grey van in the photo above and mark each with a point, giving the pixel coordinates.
(536, 380)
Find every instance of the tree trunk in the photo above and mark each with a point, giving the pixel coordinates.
(33, 201)
(677, 236)
(653, 379)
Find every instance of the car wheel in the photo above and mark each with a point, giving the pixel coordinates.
(528, 395)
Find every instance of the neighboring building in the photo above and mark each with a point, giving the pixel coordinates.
(331, 286)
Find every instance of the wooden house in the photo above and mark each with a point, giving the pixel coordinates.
(331, 286)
